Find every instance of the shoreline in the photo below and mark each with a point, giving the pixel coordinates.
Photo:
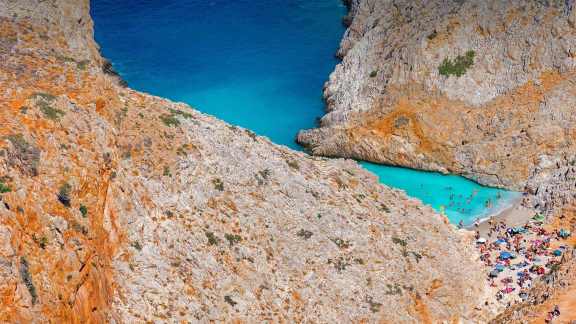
(515, 214)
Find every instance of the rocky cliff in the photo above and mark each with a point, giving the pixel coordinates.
(117, 206)
(552, 185)
(485, 89)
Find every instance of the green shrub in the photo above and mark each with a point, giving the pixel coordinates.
(137, 245)
(84, 210)
(27, 279)
(230, 301)
(416, 255)
(340, 264)
(64, 194)
(82, 65)
(25, 156)
(180, 113)
(384, 208)
(42, 242)
(218, 184)
(44, 101)
(458, 66)
(183, 150)
(4, 188)
(44, 96)
(233, 238)
(399, 241)
(305, 234)
(393, 289)
(170, 120)
(50, 112)
(343, 244)
(66, 59)
(264, 173)
(212, 239)
(252, 135)
(374, 306)
(79, 228)
(293, 164)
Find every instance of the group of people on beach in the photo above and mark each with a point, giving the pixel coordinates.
(516, 256)
(552, 314)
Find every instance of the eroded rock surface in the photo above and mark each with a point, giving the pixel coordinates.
(553, 184)
(117, 206)
(485, 89)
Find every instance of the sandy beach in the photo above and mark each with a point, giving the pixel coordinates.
(514, 215)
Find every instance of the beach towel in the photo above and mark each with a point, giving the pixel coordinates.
(508, 290)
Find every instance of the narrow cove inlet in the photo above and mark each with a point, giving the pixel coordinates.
(259, 64)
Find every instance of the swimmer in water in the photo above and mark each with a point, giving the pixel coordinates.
(477, 222)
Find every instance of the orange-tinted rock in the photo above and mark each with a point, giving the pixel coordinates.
(124, 207)
(389, 101)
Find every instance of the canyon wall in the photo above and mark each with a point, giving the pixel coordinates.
(118, 206)
(485, 89)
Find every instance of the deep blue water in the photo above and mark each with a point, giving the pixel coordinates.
(259, 64)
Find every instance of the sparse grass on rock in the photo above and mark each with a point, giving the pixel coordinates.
(457, 66)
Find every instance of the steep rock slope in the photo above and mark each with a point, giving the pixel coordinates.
(553, 185)
(485, 89)
(117, 206)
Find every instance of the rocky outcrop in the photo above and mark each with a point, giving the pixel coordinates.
(552, 187)
(117, 206)
(484, 89)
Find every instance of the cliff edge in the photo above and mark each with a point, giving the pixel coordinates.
(484, 89)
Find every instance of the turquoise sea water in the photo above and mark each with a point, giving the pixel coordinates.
(259, 64)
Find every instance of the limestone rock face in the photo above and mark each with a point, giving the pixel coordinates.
(552, 186)
(484, 89)
(117, 206)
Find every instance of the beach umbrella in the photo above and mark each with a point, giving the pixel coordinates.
(506, 255)
(499, 267)
(494, 273)
(481, 240)
(520, 274)
(564, 233)
(557, 252)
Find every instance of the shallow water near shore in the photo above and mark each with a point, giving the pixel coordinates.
(259, 64)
